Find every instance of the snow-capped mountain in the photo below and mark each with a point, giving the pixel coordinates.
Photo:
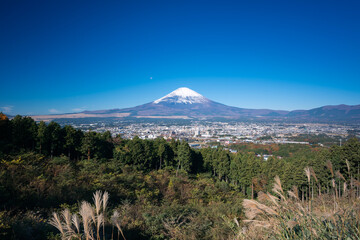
(183, 95)
(184, 103)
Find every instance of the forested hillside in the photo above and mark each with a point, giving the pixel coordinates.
(160, 189)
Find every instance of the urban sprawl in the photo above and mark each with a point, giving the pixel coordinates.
(200, 133)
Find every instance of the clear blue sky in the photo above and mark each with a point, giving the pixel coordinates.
(66, 56)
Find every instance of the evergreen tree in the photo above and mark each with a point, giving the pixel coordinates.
(161, 154)
(24, 130)
(55, 135)
(88, 144)
(184, 157)
(41, 135)
(223, 165)
(5, 134)
(70, 139)
(104, 145)
(235, 169)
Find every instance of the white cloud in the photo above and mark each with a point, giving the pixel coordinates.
(53, 110)
(7, 109)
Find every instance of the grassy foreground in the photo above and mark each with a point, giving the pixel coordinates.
(286, 216)
(276, 215)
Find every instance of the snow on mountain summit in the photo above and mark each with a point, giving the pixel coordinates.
(183, 95)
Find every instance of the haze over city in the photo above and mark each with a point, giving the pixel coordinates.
(61, 57)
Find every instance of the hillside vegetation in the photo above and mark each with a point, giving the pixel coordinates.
(157, 189)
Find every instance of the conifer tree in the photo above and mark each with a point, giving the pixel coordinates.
(183, 157)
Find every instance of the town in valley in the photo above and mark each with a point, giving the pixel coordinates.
(201, 134)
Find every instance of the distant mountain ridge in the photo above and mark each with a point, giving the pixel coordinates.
(184, 103)
(330, 112)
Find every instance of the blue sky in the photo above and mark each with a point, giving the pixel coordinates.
(68, 56)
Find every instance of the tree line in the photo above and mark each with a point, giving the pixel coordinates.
(247, 172)
(22, 134)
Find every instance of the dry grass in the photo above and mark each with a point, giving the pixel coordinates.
(86, 211)
(284, 216)
(115, 220)
(92, 219)
(56, 222)
(105, 202)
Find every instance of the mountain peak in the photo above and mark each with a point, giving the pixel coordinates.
(182, 95)
(185, 92)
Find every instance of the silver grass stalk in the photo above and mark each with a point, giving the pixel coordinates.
(333, 183)
(350, 176)
(348, 166)
(254, 208)
(295, 191)
(97, 197)
(339, 175)
(330, 167)
(86, 213)
(67, 217)
(345, 188)
(273, 199)
(56, 222)
(307, 173)
(100, 220)
(236, 222)
(334, 186)
(313, 174)
(92, 214)
(115, 219)
(76, 222)
(293, 195)
(278, 184)
(105, 202)
(278, 188)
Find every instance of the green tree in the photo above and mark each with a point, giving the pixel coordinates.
(5, 134)
(223, 165)
(56, 138)
(41, 135)
(165, 154)
(104, 145)
(207, 155)
(70, 139)
(88, 144)
(161, 153)
(183, 157)
(24, 130)
(235, 169)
